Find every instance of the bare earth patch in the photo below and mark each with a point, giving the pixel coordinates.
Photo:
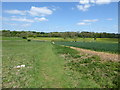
(102, 55)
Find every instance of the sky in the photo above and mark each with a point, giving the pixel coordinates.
(86, 15)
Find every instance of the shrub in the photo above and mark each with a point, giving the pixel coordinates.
(29, 40)
(24, 37)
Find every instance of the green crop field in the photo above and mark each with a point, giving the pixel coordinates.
(53, 66)
(96, 46)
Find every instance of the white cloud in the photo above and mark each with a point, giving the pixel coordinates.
(83, 7)
(84, 1)
(83, 23)
(34, 11)
(22, 19)
(40, 11)
(103, 1)
(87, 21)
(41, 19)
(92, 20)
(95, 1)
(15, 12)
(92, 1)
(109, 19)
(85, 4)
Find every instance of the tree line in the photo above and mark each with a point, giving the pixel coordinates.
(8, 33)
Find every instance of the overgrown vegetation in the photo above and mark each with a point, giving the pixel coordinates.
(90, 68)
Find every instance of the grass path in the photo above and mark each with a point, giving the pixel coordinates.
(51, 69)
(44, 68)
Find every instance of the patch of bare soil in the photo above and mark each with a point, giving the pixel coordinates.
(103, 55)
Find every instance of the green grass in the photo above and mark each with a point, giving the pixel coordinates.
(43, 68)
(53, 66)
(12, 38)
(96, 46)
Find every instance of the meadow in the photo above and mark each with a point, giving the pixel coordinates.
(50, 65)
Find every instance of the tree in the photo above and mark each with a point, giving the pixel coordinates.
(64, 35)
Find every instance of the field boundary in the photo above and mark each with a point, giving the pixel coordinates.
(103, 55)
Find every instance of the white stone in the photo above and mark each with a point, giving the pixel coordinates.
(22, 65)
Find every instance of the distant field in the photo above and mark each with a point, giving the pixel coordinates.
(12, 38)
(113, 40)
(96, 46)
(54, 66)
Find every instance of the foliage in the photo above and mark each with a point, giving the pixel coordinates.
(28, 40)
(24, 37)
(64, 35)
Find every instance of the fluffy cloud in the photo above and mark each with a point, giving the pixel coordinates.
(84, 1)
(34, 11)
(41, 19)
(83, 7)
(95, 1)
(22, 19)
(40, 11)
(92, 20)
(87, 21)
(103, 1)
(85, 4)
(15, 12)
(83, 23)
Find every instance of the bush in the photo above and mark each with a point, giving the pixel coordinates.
(29, 40)
(24, 37)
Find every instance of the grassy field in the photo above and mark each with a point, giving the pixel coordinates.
(96, 46)
(111, 40)
(12, 38)
(53, 66)
(43, 67)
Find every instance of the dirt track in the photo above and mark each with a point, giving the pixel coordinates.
(103, 55)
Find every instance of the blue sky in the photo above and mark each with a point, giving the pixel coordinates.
(60, 16)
